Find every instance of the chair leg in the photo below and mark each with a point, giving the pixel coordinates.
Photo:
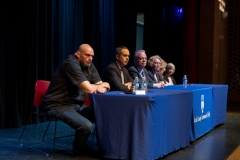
(43, 138)
(54, 135)
(47, 128)
(24, 128)
(55, 138)
(47, 154)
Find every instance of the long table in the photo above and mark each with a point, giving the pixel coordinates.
(160, 122)
(142, 126)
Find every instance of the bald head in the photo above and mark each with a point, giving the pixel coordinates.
(85, 54)
(85, 48)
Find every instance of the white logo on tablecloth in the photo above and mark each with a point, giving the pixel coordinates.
(199, 118)
(202, 102)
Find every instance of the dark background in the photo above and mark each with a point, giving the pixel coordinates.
(36, 35)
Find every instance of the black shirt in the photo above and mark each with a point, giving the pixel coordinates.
(63, 89)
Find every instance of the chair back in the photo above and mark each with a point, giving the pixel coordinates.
(87, 101)
(41, 87)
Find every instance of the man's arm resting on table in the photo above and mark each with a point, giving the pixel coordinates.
(99, 87)
(102, 86)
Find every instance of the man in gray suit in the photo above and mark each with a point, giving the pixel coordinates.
(116, 74)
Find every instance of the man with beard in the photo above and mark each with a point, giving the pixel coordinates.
(74, 78)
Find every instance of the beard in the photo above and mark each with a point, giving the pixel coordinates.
(87, 64)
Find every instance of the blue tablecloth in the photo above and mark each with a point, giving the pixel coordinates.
(202, 105)
(142, 126)
(162, 121)
(219, 94)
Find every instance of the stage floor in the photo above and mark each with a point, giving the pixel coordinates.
(217, 144)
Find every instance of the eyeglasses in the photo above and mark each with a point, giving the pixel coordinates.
(157, 63)
(142, 58)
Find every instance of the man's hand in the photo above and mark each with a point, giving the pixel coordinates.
(106, 85)
(103, 88)
(129, 85)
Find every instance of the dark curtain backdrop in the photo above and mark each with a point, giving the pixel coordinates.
(125, 25)
(1, 64)
(37, 35)
(164, 32)
(190, 31)
(171, 32)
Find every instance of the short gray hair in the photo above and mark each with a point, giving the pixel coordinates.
(136, 55)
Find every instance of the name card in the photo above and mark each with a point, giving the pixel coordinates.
(139, 92)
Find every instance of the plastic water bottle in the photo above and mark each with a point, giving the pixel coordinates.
(144, 84)
(135, 84)
(185, 81)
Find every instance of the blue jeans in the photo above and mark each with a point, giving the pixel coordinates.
(77, 117)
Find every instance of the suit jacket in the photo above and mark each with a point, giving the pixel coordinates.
(133, 71)
(151, 76)
(173, 79)
(112, 75)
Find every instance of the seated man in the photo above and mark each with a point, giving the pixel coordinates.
(139, 70)
(74, 78)
(116, 74)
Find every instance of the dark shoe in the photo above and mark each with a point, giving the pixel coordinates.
(87, 151)
(76, 152)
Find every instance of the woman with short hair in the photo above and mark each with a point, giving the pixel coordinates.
(170, 70)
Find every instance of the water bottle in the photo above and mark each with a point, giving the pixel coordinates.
(144, 84)
(135, 84)
(185, 81)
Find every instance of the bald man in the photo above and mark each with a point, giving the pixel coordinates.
(74, 78)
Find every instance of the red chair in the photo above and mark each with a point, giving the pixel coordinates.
(87, 101)
(41, 87)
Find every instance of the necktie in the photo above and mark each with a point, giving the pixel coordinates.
(122, 77)
(141, 73)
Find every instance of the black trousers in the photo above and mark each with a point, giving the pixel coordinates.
(79, 118)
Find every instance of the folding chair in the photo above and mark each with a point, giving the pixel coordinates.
(41, 87)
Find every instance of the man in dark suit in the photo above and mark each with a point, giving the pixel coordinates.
(116, 74)
(139, 70)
